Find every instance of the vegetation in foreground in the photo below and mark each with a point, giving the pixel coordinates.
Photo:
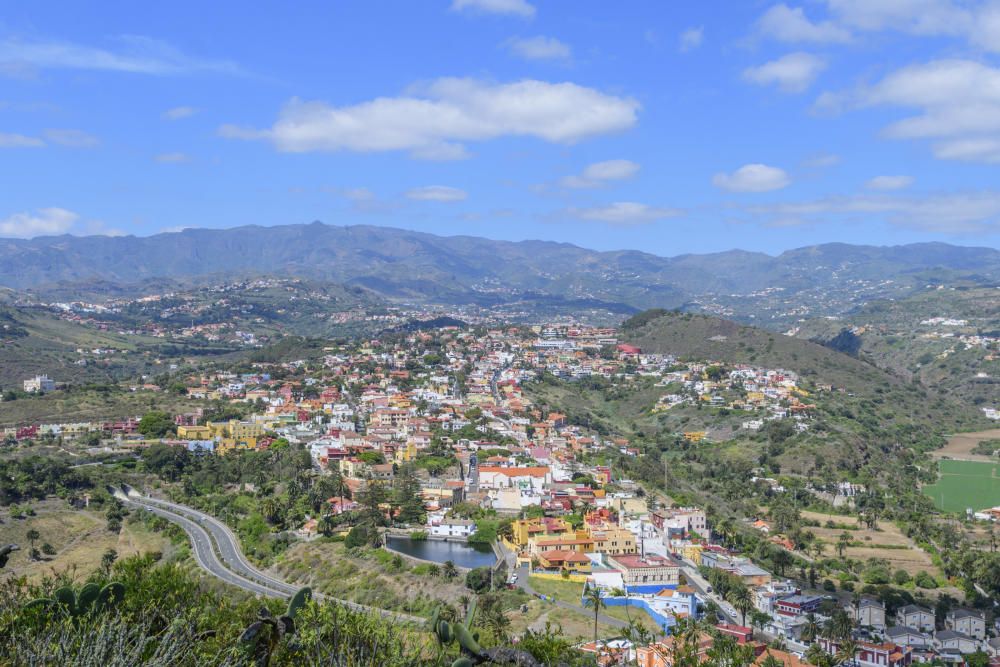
(144, 612)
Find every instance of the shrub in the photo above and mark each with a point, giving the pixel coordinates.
(924, 580)
(358, 537)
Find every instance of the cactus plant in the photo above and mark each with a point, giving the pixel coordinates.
(5, 552)
(468, 643)
(91, 599)
(263, 635)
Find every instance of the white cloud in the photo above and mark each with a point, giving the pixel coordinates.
(969, 150)
(439, 193)
(98, 228)
(889, 182)
(136, 54)
(976, 21)
(178, 113)
(19, 141)
(691, 39)
(72, 138)
(358, 194)
(918, 17)
(432, 120)
(792, 73)
(624, 213)
(509, 7)
(789, 24)
(958, 213)
(539, 48)
(958, 103)
(599, 173)
(752, 178)
(822, 160)
(172, 158)
(43, 222)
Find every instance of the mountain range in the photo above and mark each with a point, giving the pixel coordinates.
(425, 268)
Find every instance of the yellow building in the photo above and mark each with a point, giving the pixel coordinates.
(235, 434)
(406, 452)
(613, 541)
(194, 432)
(692, 552)
(579, 545)
(570, 561)
(525, 530)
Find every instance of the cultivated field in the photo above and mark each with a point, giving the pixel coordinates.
(966, 484)
(960, 446)
(887, 542)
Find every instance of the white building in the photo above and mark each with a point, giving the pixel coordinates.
(454, 528)
(39, 383)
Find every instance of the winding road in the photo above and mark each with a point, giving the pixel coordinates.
(217, 551)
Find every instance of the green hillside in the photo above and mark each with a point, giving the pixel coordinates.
(863, 428)
(34, 342)
(699, 337)
(906, 338)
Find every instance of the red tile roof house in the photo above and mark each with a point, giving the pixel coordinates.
(740, 633)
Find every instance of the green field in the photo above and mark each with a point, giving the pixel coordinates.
(966, 484)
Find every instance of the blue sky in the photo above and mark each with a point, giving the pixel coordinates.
(667, 127)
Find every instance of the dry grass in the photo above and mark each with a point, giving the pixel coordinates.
(331, 569)
(887, 542)
(960, 446)
(575, 625)
(80, 538)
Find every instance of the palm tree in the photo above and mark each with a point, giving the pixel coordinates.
(592, 598)
(742, 599)
(810, 629)
(856, 605)
(33, 536)
(817, 656)
(449, 570)
(638, 633)
(326, 524)
(846, 651)
(771, 661)
(839, 626)
(842, 542)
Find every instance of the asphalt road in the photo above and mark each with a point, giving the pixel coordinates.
(217, 551)
(205, 556)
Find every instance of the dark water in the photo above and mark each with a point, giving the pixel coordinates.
(459, 553)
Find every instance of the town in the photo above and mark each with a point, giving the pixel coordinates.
(450, 407)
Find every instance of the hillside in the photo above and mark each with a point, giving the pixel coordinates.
(100, 332)
(538, 276)
(943, 338)
(699, 337)
(34, 342)
(864, 421)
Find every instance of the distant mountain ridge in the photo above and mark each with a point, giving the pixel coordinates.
(422, 267)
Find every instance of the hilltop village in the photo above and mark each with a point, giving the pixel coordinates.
(450, 409)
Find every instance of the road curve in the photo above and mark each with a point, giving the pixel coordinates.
(205, 556)
(226, 543)
(234, 566)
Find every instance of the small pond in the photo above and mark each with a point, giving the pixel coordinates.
(459, 553)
